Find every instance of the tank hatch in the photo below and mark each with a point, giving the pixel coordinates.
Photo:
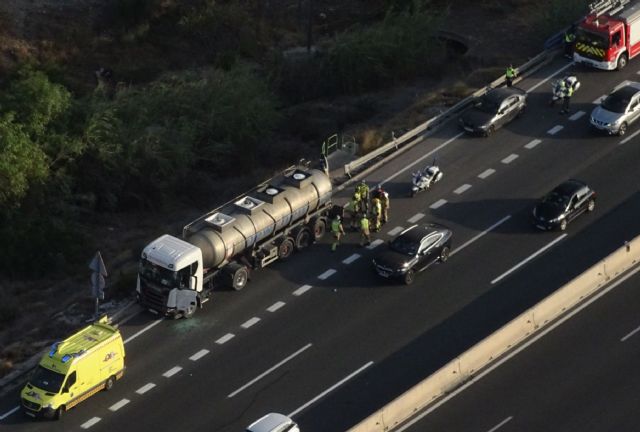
(299, 178)
(220, 221)
(271, 194)
(248, 205)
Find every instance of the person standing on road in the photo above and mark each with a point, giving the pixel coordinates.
(365, 234)
(353, 208)
(376, 208)
(363, 191)
(568, 92)
(338, 232)
(510, 75)
(383, 196)
(569, 39)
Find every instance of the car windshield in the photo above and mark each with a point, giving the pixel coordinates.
(47, 380)
(592, 39)
(404, 245)
(557, 198)
(156, 274)
(487, 105)
(615, 103)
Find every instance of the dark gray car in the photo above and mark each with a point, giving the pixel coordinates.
(618, 110)
(493, 110)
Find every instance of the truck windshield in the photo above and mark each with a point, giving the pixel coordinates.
(593, 39)
(47, 380)
(158, 275)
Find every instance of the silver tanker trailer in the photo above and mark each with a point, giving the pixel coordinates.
(286, 213)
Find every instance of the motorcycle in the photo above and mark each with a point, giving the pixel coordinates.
(558, 91)
(424, 179)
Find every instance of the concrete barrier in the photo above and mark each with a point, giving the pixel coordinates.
(481, 355)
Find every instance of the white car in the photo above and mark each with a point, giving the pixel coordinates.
(274, 422)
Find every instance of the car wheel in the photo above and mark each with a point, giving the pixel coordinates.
(623, 129)
(59, 413)
(521, 110)
(409, 276)
(444, 254)
(490, 130)
(108, 385)
(591, 205)
(563, 225)
(622, 62)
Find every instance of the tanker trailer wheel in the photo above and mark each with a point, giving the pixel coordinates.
(303, 238)
(319, 228)
(237, 276)
(285, 248)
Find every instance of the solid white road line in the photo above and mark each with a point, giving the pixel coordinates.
(395, 231)
(303, 289)
(535, 86)
(464, 245)
(415, 218)
(327, 274)
(149, 327)
(633, 135)
(554, 130)
(351, 259)
(277, 305)
(486, 173)
(438, 204)
(374, 244)
(116, 406)
(441, 146)
(268, 371)
(532, 144)
(145, 388)
(250, 322)
(509, 158)
(630, 334)
(171, 372)
(8, 413)
(577, 115)
(330, 389)
(199, 355)
(526, 260)
(502, 423)
(599, 100)
(225, 338)
(89, 423)
(516, 351)
(462, 189)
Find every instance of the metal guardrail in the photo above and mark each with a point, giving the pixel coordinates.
(431, 124)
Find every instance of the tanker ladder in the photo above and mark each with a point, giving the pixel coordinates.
(611, 7)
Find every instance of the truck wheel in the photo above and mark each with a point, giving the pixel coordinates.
(319, 228)
(239, 278)
(108, 385)
(303, 238)
(285, 249)
(622, 62)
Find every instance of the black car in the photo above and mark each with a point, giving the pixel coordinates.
(413, 250)
(563, 204)
(493, 110)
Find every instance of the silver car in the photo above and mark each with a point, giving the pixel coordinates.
(618, 110)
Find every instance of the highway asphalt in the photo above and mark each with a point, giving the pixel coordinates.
(324, 339)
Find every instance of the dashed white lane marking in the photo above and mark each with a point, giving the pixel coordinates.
(577, 115)
(638, 72)
(171, 372)
(116, 406)
(395, 231)
(327, 274)
(526, 260)
(509, 158)
(554, 130)
(225, 338)
(135, 335)
(274, 307)
(268, 371)
(89, 423)
(330, 389)
(599, 100)
(438, 204)
(374, 244)
(250, 322)
(462, 189)
(415, 218)
(8, 413)
(145, 388)
(199, 355)
(502, 423)
(630, 334)
(633, 135)
(532, 144)
(351, 259)
(486, 173)
(303, 289)
(468, 242)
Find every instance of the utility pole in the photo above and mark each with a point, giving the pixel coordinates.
(99, 272)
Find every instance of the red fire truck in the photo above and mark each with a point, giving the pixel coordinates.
(609, 36)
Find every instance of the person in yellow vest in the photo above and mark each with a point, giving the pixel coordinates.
(510, 75)
(384, 200)
(363, 191)
(353, 209)
(377, 213)
(365, 234)
(568, 92)
(338, 232)
(569, 40)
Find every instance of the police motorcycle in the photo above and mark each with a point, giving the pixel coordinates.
(558, 89)
(424, 179)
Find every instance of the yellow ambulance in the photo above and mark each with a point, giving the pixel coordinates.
(75, 369)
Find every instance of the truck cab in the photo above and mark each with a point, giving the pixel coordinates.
(170, 277)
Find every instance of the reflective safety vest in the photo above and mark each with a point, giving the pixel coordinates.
(335, 226)
(511, 72)
(377, 205)
(569, 37)
(364, 223)
(568, 91)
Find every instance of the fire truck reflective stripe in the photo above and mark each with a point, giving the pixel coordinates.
(588, 49)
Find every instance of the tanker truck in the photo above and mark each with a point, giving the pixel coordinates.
(219, 249)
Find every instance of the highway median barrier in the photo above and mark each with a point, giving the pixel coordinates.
(485, 353)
